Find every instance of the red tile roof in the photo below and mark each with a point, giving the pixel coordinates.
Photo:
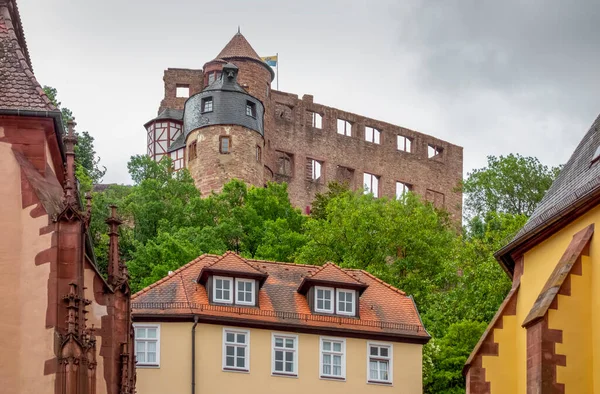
(238, 46)
(383, 309)
(18, 87)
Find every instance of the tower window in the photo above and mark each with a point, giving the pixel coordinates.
(225, 144)
(192, 151)
(344, 127)
(372, 135)
(258, 153)
(250, 109)
(404, 143)
(207, 104)
(183, 91)
(371, 184)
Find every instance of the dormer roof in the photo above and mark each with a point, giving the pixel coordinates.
(18, 87)
(331, 275)
(231, 264)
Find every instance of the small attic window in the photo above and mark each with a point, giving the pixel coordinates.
(596, 156)
(250, 109)
(183, 91)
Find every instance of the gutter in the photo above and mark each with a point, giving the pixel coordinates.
(194, 354)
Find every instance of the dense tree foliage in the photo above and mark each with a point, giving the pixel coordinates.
(452, 274)
(511, 184)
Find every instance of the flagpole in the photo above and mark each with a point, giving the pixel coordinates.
(277, 54)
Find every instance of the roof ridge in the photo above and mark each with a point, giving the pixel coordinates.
(176, 272)
(397, 290)
(329, 263)
(244, 260)
(21, 51)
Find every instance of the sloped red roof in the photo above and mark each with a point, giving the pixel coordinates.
(18, 87)
(383, 309)
(238, 46)
(328, 274)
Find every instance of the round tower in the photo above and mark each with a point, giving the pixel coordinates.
(223, 128)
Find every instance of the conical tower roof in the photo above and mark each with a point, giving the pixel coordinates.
(18, 87)
(238, 46)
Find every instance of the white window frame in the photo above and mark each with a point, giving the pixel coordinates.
(332, 292)
(294, 350)
(316, 167)
(405, 189)
(232, 289)
(372, 135)
(368, 189)
(337, 301)
(242, 280)
(343, 358)
(144, 325)
(344, 127)
(403, 143)
(316, 120)
(246, 345)
(390, 359)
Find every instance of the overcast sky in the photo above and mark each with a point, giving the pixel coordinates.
(495, 77)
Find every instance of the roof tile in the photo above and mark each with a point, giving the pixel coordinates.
(238, 46)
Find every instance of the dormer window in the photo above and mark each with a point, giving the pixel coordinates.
(222, 290)
(324, 299)
(244, 294)
(346, 304)
(207, 104)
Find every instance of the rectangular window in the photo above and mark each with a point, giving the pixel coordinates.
(250, 109)
(346, 302)
(258, 153)
(404, 143)
(434, 151)
(436, 198)
(244, 291)
(314, 168)
(207, 104)
(182, 91)
(379, 363)
(192, 151)
(236, 350)
(324, 299)
(316, 120)
(285, 163)
(371, 184)
(401, 189)
(147, 344)
(344, 127)
(372, 135)
(223, 289)
(285, 355)
(333, 359)
(224, 145)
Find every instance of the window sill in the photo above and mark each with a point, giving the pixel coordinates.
(379, 383)
(336, 378)
(150, 366)
(284, 375)
(236, 370)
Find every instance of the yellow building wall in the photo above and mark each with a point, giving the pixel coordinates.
(174, 373)
(539, 262)
(501, 369)
(573, 317)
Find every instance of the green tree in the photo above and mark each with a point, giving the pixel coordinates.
(510, 184)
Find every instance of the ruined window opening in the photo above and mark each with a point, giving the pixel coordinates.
(401, 189)
(344, 127)
(434, 151)
(183, 91)
(316, 120)
(258, 153)
(207, 104)
(192, 151)
(250, 109)
(285, 164)
(314, 168)
(372, 135)
(404, 144)
(436, 198)
(371, 184)
(225, 144)
(345, 175)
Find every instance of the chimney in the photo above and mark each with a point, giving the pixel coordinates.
(114, 273)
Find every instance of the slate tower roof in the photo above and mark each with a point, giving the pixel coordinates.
(18, 87)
